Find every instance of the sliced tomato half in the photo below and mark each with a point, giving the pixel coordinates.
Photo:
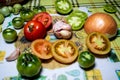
(64, 51)
(43, 17)
(42, 48)
(98, 43)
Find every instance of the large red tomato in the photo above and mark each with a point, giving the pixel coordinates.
(34, 30)
(44, 18)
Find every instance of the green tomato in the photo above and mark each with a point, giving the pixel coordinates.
(17, 22)
(16, 8)
(63, 6)
(110, 8)
(77, 19)
(28, 65)
(10, 8)
(38, 9)
(1, 18)
(86, 59)
(26, 14)
(5, 11)
(9, 35)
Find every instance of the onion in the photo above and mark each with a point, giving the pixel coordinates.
(101, 22)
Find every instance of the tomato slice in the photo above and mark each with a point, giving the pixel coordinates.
(76, 19)
(110, 8)
(42, 48)
(98, 43)
(44, 18)
(63, 6)
(64, 51)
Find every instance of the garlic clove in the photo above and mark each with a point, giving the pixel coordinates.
(14, 55)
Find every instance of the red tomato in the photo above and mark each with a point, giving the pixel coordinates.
(43, 17)
(34, 30)
(42, 48)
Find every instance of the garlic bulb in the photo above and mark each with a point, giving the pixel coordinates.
(62, 30)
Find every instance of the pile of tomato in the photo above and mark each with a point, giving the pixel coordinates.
(65, 51)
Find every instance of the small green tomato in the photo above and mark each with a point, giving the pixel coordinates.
(86, 59)
(18, 22)
(9, 35)
(1, 18)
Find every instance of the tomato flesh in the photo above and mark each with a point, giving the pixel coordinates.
(110, 8)
(44, 18)
(63, 6)
(76, 19)
(64, 51)
(98, 43)
(42, 48)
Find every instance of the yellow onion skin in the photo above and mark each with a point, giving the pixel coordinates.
(101, 22)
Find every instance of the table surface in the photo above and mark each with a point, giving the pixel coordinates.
(107, 68)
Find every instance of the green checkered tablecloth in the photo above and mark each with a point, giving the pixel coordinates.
(106, 65)
(79, 3)
(92, 5)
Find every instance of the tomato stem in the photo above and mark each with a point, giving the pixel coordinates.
(31, 28)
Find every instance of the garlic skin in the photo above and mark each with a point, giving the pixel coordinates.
(62, 30)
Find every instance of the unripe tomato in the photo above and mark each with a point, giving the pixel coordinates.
(28, 65)
(9, 35)
(86, 59)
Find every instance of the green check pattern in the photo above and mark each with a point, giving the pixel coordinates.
(78, 3)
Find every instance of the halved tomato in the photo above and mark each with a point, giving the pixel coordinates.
(98, 43)
(64, 51)
(42, 48)
(43, 17)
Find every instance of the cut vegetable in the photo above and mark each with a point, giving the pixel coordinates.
(42, 48)
(98, 43)
(76, 19)
(110, 8)
(63, 6)
(64, 51)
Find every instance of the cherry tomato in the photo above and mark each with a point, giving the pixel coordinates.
(45, 18)
(34, 30)
(98, 43)
(26, 14)
(2, 18)
(17, 22)
(42, 48)
(64, 51)
(63, 6)
(9, 35)
(38, 9)
(86, 59)
(5, 11)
